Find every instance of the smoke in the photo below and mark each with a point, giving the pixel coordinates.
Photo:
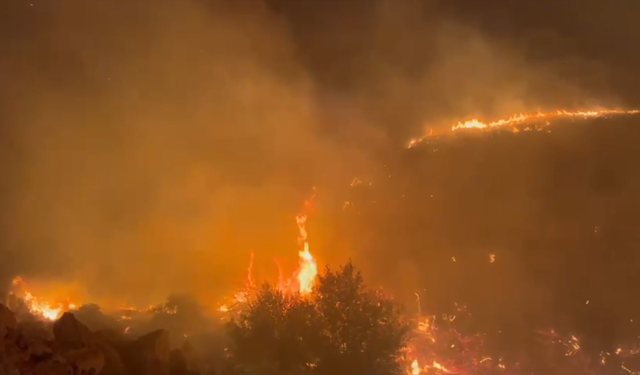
(149, 147)
(155, 145)
(434, 67)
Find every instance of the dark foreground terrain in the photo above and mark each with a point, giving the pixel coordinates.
(70, 348)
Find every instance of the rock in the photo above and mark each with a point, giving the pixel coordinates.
(16, 348)
(7, 368)
(36, 330)
(149, 354)
(109, 336)
(7, 320)
(38, 349)
(85, 360)
(191, 356)
(58, 358)
(155, 343)
(113, 364)
(177, 362)
(28, 348)
(70, 332)
(51, 367)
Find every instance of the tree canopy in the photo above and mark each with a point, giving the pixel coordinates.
(342, 327)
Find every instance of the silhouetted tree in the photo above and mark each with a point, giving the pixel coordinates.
(363, 330)
(274, 334)
(341, 328)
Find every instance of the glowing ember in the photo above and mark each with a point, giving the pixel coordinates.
(37, 306)
(442, 344)
(519, 119)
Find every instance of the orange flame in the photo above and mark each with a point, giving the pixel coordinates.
(250, 272)
(307, 268)
(304, 277)
(519, 119)
(37, 306)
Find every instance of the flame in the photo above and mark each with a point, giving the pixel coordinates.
(308, 269)
(304, 278)
(443, 344)
(307, 266)
(38, 306)
(415, 367)
(519, 119)
(250, 272)
(438, 341)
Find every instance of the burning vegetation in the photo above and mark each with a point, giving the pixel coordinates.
(528, 122)
(143, 157)
(310, 323)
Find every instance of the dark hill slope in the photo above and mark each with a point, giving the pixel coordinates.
(559, 209)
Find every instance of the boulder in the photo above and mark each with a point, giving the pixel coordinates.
(154, 344)
(16, 347)
(177, 362)
(149, 354)
(70, 332)
(36, 330)
(50, 366)
(85, 361)
(109, 336)
(27, 348)
(191, 357)
(7, 368)
(113, 364)
(38, 349)
(7, 320)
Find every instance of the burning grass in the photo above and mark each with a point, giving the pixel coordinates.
(446, 343)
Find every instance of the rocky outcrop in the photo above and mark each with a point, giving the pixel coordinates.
(70, 332)
(190, 356)
(26, 349)
(149, 354)
(36, 330)
(112, 360)
(73, 349)
(7, 320)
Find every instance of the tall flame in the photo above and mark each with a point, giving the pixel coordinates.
(307, 268)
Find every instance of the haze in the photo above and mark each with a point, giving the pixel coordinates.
(150, 147)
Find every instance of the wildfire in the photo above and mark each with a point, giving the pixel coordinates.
(37, 306)
(439, 344)
(519, 119)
